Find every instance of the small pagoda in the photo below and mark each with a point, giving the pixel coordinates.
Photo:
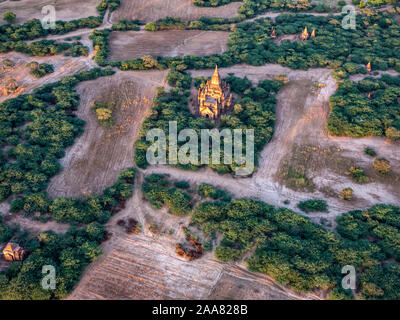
(369, 67)
(273, 34)
(305, 35)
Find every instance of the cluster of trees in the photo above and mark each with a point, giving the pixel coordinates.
(375, 40)
(297, 252)
(95, 208)
(212, 3)
(6, 232)
(125, 25)
(206, 190)
(104, 113)
(347, 51)
(35, 129)
(255, 109)
(9, 16)
(39, 70)
(204, 23)
(375, 234)
(110, 4)
(45, 48)
(33, 29)
(68, 253)
(100, 45)
(313, 205)
(251, 8)
(158, 191)
(370, 107)
(374, 3)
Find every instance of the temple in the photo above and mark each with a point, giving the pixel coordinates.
(305, 35)
(273, 34)
(13, 252)
(214, 98)
(369, 67)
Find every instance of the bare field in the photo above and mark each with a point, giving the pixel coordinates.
(172, 43)
(152, 10)
(146, 266)
(63, 66)
(65, 9)
(100, 154)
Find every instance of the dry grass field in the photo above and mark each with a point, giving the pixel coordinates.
(131, 44)
(63, 66)
(100, 154)
(65, 9)
(152, 10)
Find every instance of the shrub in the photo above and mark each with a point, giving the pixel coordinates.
(9, 16)
(347, 194)
(313, 206)
(369, 151)
(382, 165)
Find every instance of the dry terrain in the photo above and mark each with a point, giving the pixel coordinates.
(63, 66)
(65, 9)
(146, 266)
(132, 44)
(152, 10)
(100, 154)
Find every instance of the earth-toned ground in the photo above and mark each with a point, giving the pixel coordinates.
(152, 10)
(100, 154)
(133, 44)
(63, 66)
(65, 9)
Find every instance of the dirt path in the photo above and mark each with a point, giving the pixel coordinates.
(146, 266)
(301, 119)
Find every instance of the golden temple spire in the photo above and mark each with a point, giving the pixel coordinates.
(215, 77)
(313, 33)
(304, 35)
(369, 67)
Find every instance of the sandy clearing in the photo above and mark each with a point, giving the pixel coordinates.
(63, 66)
(172, 43)
(152, 10)
(99, 155)
(65, 9)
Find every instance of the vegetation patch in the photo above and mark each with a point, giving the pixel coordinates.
(298, 253)
(255, 109)
(313, 206)
(39, 70)
(370, 107)
(158, 190)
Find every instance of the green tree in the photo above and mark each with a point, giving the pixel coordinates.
(9, 16)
